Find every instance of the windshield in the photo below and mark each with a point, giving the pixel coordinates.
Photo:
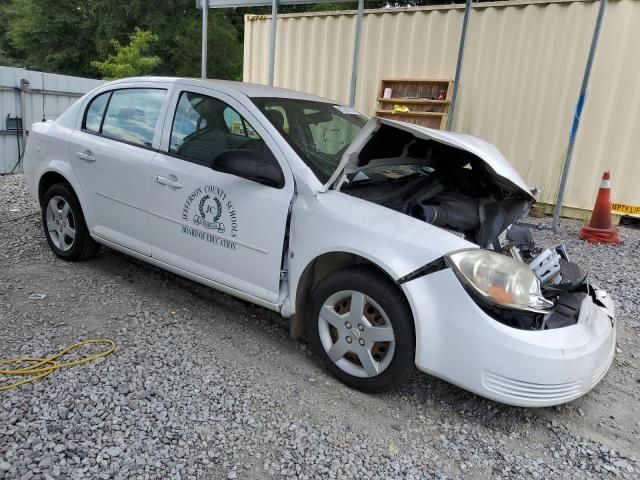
(319, 132)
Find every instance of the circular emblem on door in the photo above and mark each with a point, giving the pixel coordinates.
(210, 209)
(212, 216)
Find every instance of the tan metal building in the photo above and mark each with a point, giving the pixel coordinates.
(523, 66)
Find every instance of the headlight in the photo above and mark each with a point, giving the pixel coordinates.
(500, 279)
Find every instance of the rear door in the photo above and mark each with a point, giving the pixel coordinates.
(216, 225)
(111, 152)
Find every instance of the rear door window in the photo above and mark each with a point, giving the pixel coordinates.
(95, 113)
(132, 115)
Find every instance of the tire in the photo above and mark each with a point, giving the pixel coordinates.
(64, 226)
(372, 363)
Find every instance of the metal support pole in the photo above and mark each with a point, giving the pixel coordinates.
(356, 54)
(272, 44)
(23, 114)
(205, 27)
(456, 82)
(576, 118)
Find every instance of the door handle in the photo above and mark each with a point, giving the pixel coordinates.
(87, 156)
(167, 181)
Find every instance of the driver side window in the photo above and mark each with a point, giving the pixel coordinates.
(330, 135)
(205, 127)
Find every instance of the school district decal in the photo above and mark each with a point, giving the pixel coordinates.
(212, 213)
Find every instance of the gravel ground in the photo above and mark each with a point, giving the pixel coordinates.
(206, 386)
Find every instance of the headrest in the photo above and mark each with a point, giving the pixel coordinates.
(276, 118)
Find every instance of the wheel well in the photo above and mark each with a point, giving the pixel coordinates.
(320, 268)
(47, 180)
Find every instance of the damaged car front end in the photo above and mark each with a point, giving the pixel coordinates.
(509, 320)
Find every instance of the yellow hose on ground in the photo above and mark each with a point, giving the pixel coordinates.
(46, 366)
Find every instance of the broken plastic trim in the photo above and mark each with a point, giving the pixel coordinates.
(431, 267)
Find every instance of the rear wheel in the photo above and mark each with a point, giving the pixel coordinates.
(64, 225)
(360, 325)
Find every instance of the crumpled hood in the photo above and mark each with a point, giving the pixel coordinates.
(481, 149)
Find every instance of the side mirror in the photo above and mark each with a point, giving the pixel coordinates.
(248, 164)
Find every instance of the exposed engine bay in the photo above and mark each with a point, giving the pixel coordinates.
(457, 191)
(439, 184)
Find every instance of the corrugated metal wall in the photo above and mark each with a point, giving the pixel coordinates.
(522, 71)
(51, 94)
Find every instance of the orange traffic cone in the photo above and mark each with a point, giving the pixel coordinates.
(600, 229)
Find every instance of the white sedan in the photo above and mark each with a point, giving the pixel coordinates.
(387, 244)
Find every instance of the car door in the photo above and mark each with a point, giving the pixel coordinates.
(216, 225)
(111, 152)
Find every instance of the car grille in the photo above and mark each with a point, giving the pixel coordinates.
(518, 389)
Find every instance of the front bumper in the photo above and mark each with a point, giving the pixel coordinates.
(458, 342)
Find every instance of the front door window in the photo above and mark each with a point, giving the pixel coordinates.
(205, 127)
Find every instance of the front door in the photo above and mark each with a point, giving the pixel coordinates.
(111, 153)
(219, 226)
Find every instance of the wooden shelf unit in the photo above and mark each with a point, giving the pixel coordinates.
(420, 96)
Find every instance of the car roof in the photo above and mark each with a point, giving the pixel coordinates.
(229, 87)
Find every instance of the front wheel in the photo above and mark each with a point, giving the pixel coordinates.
(360, 325)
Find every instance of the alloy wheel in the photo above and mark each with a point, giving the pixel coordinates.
(61, 224)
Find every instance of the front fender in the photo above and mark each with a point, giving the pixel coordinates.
(336, 222)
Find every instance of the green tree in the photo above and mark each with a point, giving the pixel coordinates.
(129, 60)
(7, 52)
(224, 49)
(53, 35)
(64, 36)
(167, 19)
